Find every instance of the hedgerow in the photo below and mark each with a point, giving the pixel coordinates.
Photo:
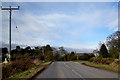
(16, 67)
(100, 60)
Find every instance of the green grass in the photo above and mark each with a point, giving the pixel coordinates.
(28, 73)
(45, 63)
(103, 66)
(80, 61)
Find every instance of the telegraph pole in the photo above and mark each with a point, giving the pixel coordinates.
(10, 10)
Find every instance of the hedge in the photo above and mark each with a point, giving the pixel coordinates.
(16, 67)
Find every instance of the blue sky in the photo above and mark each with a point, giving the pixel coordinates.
(69, 24)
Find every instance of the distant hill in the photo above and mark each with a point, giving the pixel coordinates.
(82, 50)
(13, 46)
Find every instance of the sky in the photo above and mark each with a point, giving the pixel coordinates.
(79, 25)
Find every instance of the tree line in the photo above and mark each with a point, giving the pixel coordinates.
(44, 53)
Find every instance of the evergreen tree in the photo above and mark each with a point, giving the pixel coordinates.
(103, 51)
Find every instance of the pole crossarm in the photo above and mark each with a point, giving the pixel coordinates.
(10, 8)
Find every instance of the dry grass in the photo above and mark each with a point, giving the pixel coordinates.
(102, 66)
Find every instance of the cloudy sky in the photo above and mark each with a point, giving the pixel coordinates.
(69, 24)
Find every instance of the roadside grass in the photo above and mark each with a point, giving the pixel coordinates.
(28, 73)
(46, 63)
(80, 61)
(102, 66)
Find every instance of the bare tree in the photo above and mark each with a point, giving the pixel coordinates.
(113, 43)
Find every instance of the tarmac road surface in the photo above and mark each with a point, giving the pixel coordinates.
(71, 69)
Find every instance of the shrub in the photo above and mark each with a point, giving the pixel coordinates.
(91, 59)
(16, 67)
(86, 56)
(96, 59)
(37, 62)
(107, 60)
(101, 60)
(115, 63)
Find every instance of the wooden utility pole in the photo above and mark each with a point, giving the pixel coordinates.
(10, 10)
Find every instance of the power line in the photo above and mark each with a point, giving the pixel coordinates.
(18, 30)
(16, 27)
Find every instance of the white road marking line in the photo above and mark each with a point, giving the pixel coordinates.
(75, 72)
(78, 74)
(67, 66)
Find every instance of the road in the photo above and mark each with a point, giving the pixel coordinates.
(74, 70)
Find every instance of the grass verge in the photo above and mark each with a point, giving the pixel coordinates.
(102, 66)
(80, 61)
(46, 63)
(30, 73)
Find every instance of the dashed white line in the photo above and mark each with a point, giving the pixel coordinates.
(78, 74)
(66, 65)
(75, 72)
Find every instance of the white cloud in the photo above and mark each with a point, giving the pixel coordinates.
(35, 30)
(43, 29)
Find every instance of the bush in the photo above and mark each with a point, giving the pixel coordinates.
(16, 67)
(107, 60)
(101, 60)
(37, 62)
(95, 59)
(91, 59)
(115, 63)
(86, 56)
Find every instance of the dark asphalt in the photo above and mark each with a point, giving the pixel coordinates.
(74, 70)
